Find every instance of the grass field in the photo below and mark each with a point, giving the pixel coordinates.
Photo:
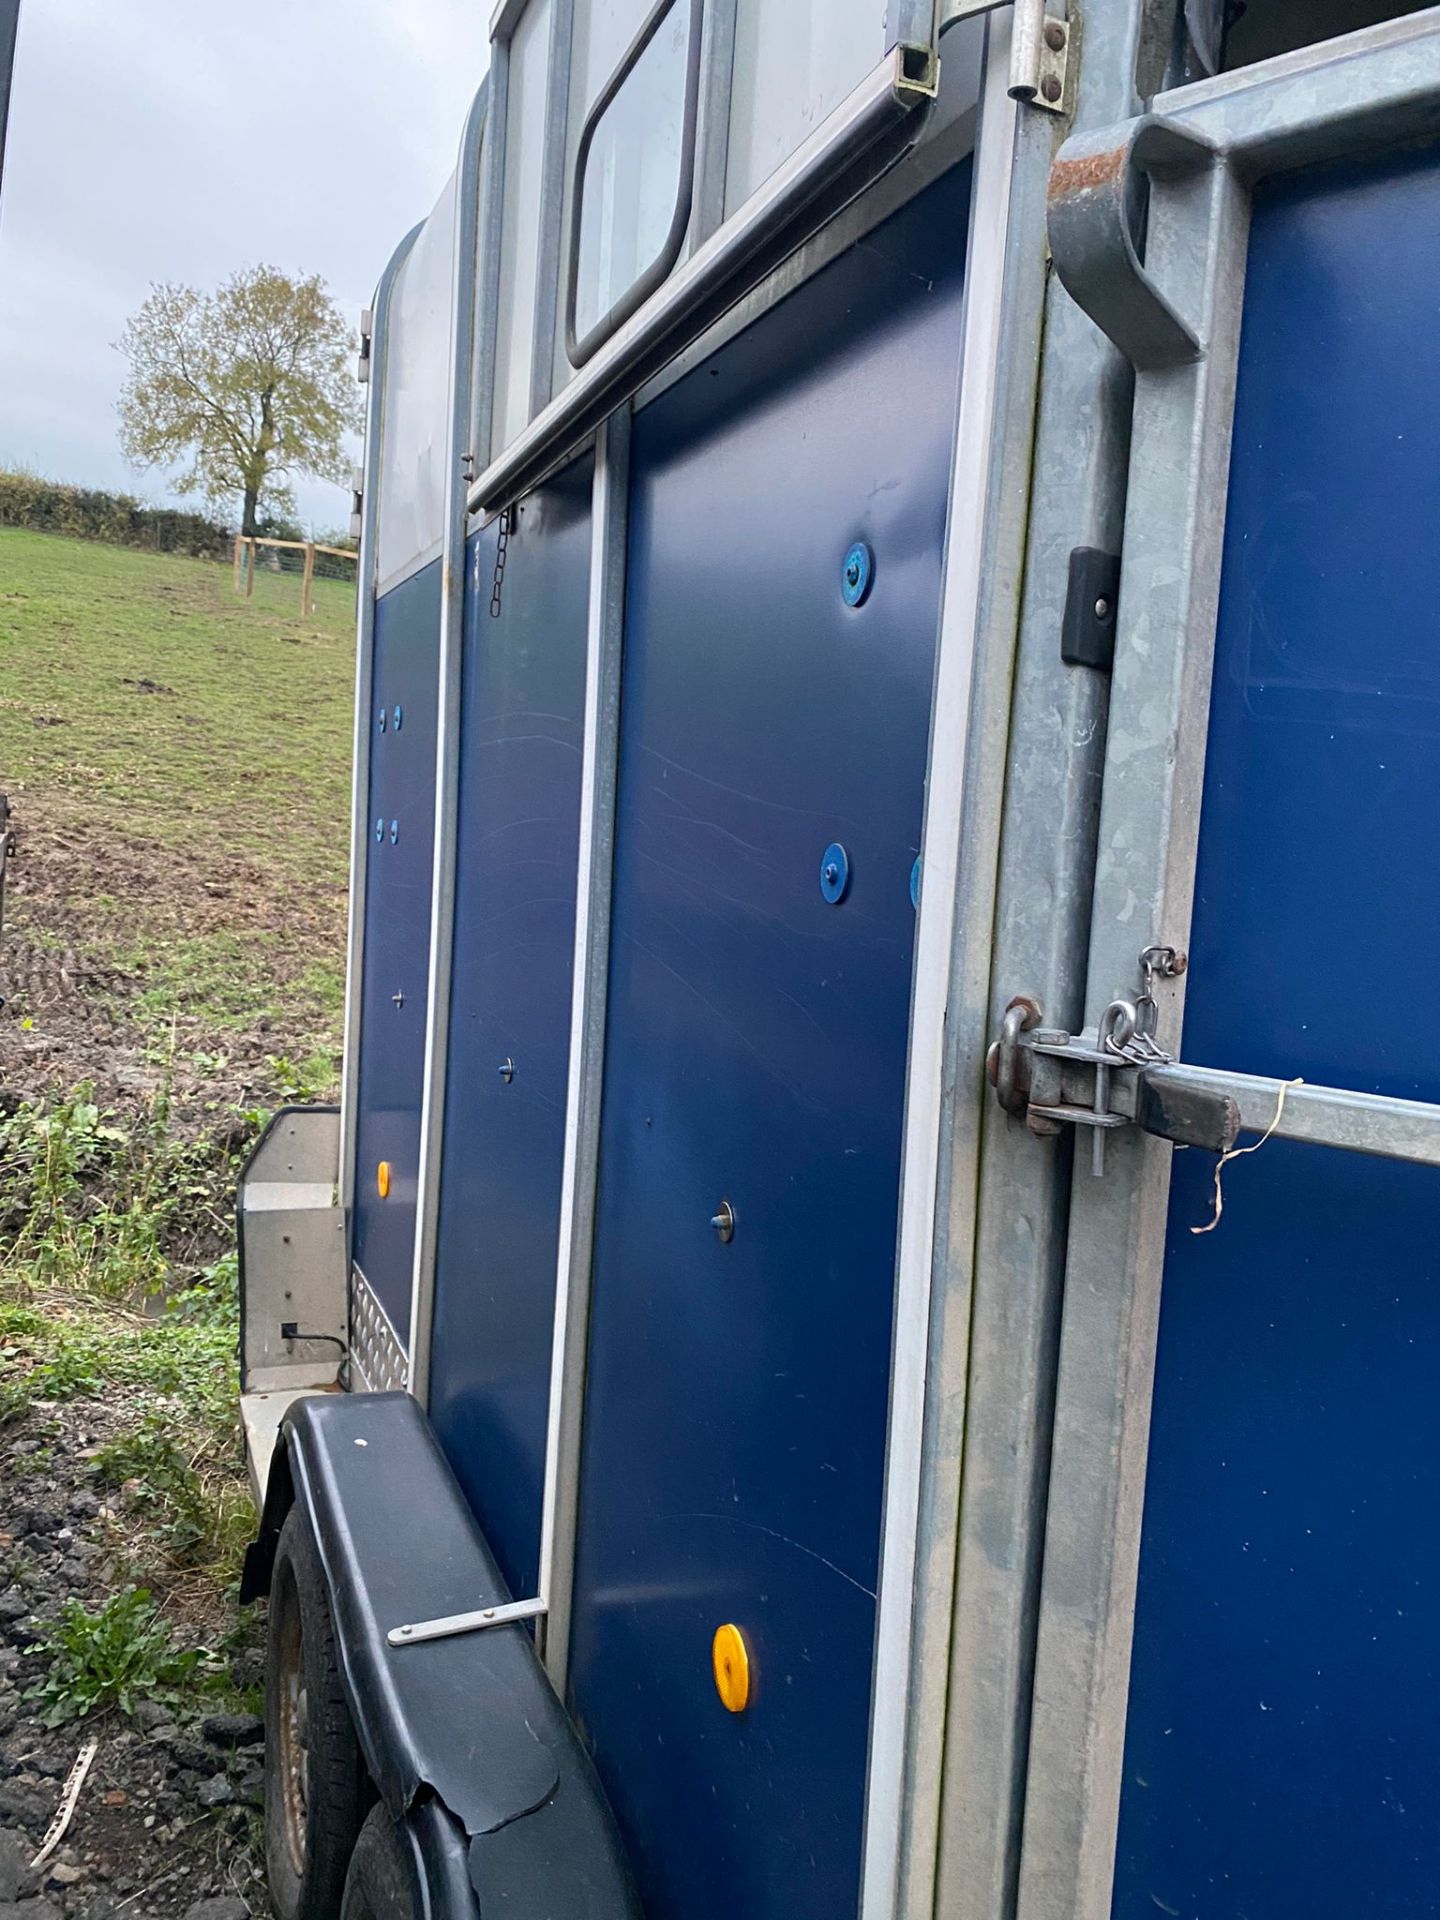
(172, 969)
(178, 762)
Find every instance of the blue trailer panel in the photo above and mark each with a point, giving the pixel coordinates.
(737, 1386)
(1283, 1746)
(521, 748)
(401, 814)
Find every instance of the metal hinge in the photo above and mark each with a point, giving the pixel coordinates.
(367, 335)
(1039, 48)
(357, 501)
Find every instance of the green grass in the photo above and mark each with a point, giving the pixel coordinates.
(247, 754)
(188, 846)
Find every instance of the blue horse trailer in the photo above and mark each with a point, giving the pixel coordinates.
(897, 736)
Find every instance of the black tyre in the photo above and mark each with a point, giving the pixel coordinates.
(379, 1885)
(316, 1790)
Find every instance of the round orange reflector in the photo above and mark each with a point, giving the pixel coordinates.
(732, 1668)
(382, 1179)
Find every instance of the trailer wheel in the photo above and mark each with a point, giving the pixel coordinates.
(316, 1790)
(378, 1885)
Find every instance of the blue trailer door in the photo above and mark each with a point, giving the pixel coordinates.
(787, 525)
(1283, 1742)
(396, 964)
(522, 725)
(1235, 1674)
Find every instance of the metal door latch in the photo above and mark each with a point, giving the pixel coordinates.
(1109, 1076)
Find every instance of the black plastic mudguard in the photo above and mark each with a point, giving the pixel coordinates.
(464, 1738)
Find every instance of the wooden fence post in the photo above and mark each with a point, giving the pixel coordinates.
(250, 581)
(239, 559)
(308, 580)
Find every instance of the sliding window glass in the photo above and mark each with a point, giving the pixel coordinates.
(634, 172)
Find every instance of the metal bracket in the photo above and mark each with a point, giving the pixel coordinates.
(367, 336)
(357, 502)
(450, 1626)
(1097, 201)
(1102, 1079)
(1039, 48)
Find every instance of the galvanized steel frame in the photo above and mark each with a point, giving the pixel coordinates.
(364, 685)
(604, 654)
(1003, 289)
(1203, 147)
(712, 131)
(1003, 1200)
(458, 445)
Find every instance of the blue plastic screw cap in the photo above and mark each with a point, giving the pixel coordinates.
(382, 719)
(399, 718)
(834, 873)
(394, 833)
(379, 831)
(857, 575)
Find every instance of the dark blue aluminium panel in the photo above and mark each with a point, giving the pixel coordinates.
(397, 936)
(1284, 1735)
(523, 738)
(736, 1409)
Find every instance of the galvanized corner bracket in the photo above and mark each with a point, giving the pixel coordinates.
(1039, 48)
(451, 1626)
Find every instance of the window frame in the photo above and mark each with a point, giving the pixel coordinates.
(578, 350)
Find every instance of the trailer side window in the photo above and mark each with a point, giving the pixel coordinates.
(793, 65)
(410, 516)
(634, 173)
(519, 258)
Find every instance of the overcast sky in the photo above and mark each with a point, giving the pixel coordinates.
(182, 139)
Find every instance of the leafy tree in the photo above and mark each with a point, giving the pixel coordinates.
(250, 385)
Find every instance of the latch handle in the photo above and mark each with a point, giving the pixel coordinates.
(1189, 1116)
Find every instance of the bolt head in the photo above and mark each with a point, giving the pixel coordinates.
(1050, 87)
(1055, 36)
(1102, 608)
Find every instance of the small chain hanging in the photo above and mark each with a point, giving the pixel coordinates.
(501, 547)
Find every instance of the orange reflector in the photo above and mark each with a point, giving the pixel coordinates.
(732, 1668)
(382, 1179)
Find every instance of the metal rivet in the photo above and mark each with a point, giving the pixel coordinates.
(399, 718)
(1102, 608)
(723, 1221)
(382, 719)
(398, 999)
(379, 831)
(394, 833)
(1055, 37)
(362, 1443)
(857, 574)
(507, 1069)
(1050, 87)
(835, 873)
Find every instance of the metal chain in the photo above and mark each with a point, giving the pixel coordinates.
(501, 549)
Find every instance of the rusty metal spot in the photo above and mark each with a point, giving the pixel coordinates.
(1085, 173)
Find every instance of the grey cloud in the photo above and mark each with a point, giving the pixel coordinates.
(181, 139)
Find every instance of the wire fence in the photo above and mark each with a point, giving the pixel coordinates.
(303, 562)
